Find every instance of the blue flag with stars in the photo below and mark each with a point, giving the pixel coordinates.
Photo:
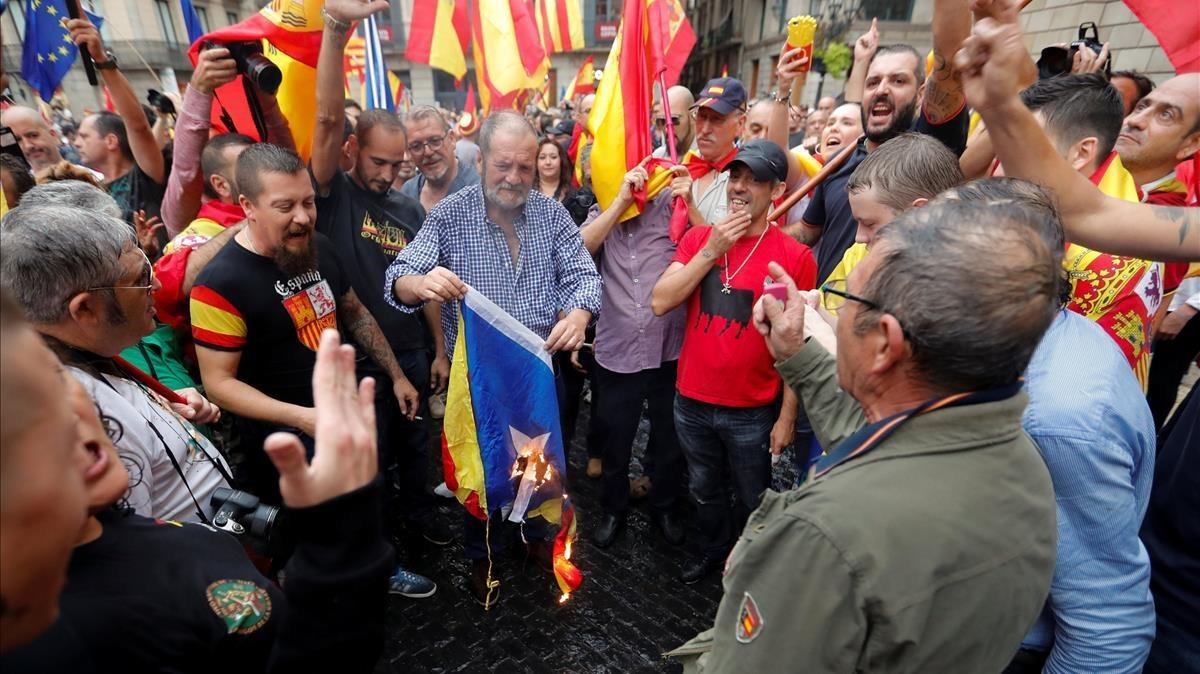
(48, 52)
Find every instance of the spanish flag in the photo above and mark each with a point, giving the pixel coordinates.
(1120, 294)
(502, 445)
(584, 82)
(654, 40)
(560, 23)
(439, 34)
(290, 31)
(509, 58)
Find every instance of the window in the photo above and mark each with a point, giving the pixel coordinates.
(231, 17)
(18, 18)
(167, 22)
(887, 10)
(202, 14)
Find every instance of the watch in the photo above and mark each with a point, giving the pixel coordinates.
(110, 64)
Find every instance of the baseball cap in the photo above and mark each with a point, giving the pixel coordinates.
(765, 160)
(723, 94)
(563, 128)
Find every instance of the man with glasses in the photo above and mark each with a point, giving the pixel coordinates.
(87, 287)
(924, 540)
(369, 222)
(681, 101)
(431, 144)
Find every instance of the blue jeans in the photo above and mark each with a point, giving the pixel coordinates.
(719, 442)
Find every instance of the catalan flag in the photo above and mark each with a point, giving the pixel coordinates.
(502, 447)
(48, 53)
(653, 42)
(438, 35)
(560, 23)
(291, 34)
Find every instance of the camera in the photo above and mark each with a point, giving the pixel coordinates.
(159, 101)
(243, 515)
(251, 64)
(1057, 60)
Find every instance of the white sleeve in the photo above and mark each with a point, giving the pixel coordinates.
(131, 443)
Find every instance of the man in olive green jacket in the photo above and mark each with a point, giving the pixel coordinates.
(924, 541)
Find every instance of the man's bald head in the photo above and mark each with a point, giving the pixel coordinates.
(827, 104)
(1162, 130)
(758, 120)
(38, 141)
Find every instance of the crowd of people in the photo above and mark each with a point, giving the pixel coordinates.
(222, 362)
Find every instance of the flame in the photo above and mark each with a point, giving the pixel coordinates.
(563, 599)
(567, 550)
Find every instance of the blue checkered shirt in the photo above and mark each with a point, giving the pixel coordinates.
(553, 273)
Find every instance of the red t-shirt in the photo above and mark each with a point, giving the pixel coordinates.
(724, 360)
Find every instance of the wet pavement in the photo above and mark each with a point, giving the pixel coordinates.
(629, 611)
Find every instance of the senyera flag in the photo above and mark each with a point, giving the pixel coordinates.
(290, 36)
(653, 43)
(502, 446)
(1176, 27)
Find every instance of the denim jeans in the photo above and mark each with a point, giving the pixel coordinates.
(722, 442)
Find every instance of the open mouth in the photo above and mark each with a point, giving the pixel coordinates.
(832, 141)
(881, 112)
(738, 205)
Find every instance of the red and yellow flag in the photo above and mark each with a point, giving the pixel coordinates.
(509, 58)
(584, 82)
(439, 34)
(654, 40)
(560, 23)
(291, 36)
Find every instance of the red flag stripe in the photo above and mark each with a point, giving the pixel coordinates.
(564, 25)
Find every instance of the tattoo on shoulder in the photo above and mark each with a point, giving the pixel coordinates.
(1184, 217)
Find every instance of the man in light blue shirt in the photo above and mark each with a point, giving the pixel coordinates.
(1090, 420)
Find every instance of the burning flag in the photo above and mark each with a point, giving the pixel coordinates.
(502, 448)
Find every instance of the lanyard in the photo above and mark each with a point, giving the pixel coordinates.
(870, 436)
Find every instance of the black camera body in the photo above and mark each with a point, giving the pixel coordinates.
(243, 515)
(1057, 60)
(251, 63)
(159, 101)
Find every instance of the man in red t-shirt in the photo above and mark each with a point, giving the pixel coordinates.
(728, 413)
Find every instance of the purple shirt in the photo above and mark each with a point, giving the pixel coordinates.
(629, 337)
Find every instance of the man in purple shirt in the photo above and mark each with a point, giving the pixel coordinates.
(637, 353)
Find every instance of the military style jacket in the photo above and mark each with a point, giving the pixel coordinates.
(932, 552)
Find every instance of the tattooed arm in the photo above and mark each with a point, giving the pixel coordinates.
(943, 88)
(367, 334)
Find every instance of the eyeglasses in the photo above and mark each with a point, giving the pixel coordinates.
(146, 279)
(434, 144)
(662, 121)
(834, 296)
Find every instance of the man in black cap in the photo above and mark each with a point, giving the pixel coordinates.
(728, 412)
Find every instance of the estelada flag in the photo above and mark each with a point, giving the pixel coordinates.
(438, 35)
(1177, 28)
(502, 445)
(290, 31)
(654, 40)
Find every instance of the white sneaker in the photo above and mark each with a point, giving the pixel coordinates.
(443, 491)
(437, 406)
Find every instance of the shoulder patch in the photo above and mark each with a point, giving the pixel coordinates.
(244, 606)
(750, 621)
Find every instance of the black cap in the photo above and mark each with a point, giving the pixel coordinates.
(723, 94)
(765, 159)
(563, 128)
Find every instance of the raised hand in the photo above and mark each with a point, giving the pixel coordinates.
(353, 10)
(83, 33)
(214, 67)
(147, 232)
(867, 43)
(345, 457)
(991, 60)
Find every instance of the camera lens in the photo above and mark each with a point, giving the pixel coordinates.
(264, 74)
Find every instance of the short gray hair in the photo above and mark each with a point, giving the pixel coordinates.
(507, 121)
(52, 253)
(421, 113)
(973, 291)
(73, 194)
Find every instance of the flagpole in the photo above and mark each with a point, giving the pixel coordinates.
(828, 169)
(666, 105)
(74, 10)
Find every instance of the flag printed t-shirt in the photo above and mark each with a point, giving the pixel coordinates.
(368, 230)
(724, 360)
(243, 302)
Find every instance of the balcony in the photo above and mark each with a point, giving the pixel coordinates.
(157, 53)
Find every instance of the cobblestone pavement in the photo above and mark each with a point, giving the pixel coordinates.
(630, 609)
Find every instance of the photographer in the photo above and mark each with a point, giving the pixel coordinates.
(191, 596)
(187, 187)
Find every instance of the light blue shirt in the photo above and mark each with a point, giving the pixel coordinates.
(1090, 421)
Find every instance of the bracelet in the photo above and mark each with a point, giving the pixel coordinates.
(707, 255)
(337, 25)
(780, 98)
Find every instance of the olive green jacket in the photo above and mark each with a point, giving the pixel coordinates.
(931, 553)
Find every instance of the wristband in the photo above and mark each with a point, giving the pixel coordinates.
(336, 25)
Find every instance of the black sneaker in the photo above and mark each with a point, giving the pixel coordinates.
(695, 571)
(432, 530)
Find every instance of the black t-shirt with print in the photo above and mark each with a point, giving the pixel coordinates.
(830, 205)
(136, 191)
(243, 302)
(150, 594)
(368, 230)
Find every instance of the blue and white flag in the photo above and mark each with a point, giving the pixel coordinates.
(378, 89)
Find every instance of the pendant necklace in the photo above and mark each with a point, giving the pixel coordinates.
(725, 287)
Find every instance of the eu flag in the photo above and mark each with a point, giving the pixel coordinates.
(48, 52)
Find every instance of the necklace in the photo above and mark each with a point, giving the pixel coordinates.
(725, 287)
(250, 240)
